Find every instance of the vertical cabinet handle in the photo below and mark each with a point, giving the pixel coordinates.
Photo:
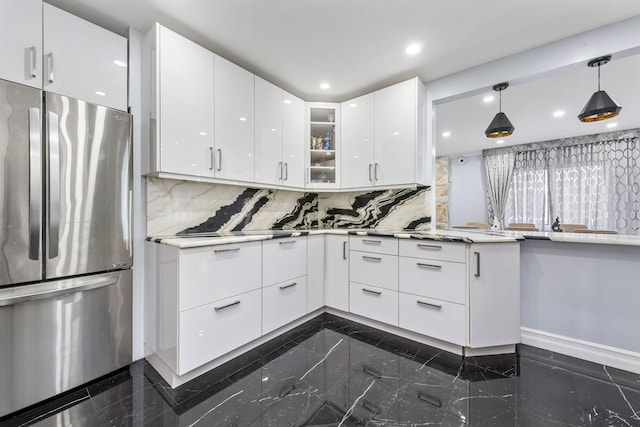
(219, 159)
(375, 171)
(279, 171)
(54, 184)
(370, 167)
(33, 71)
(35, 183)
(50, 66)
(344, 250)
(286, 171)
(211, 158)
(477, 255)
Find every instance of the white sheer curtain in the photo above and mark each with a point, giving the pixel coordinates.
(499, 169)
(596, 184)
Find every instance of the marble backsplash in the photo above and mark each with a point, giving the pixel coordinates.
(175, 206)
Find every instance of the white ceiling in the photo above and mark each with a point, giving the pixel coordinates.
(358, 46)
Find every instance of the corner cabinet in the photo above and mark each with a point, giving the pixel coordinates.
(383, 138)
(323, 146)
(178, 104)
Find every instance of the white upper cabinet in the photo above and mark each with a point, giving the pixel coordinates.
(269, 168)
(396, 133)
(358, 163)
(184, 105)
(83, 60)
(21, 47)
(292, 140)
(234, 122)
(323, 142)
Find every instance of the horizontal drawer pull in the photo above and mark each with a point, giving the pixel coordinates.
(219, 251)
(371, 258)
(372, 242)
(222, 307)
(430, 400)
(370, 407)
(290, 285)
(428, 304)
(423, 246)
(371, 292)
(431, 266)
(288, 242)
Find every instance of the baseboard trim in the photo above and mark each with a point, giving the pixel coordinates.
(593, 352)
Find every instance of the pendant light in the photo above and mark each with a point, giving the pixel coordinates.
(500, 126)
(600, 106)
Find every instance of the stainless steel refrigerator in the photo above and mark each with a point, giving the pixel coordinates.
(65, 243)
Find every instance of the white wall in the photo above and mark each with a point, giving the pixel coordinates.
(467, 191)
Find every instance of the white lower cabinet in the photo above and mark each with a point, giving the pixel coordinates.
(439, 279)
(283, 303)
(435, 318)
(374, 269)
(315, 273)
(337, 272)
(209, 331)
(379, 304)
(283, 259)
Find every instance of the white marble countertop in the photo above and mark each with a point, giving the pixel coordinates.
(605, 239)
(212, 239)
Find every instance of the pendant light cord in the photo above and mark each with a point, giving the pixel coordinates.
(500, 96)
(598, 77)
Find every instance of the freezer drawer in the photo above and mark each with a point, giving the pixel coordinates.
(58, 335)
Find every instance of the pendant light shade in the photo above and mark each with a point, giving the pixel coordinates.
(600, 106)
(500, 126)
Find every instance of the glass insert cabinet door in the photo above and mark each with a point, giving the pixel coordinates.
(323, 134)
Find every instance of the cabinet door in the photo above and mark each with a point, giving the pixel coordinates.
(283, 303)
(283, 259)
(293, 141)
(21, 47)
(185, 93)
(395, 133)
(357, 142)
(374, 303)
(268, 133)
(494, 294)
(315, 272)
(337, 272)
(234, 121)
(84, 61)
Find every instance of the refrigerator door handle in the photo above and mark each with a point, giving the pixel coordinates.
(35, 183)
(54, 289)
(54, 184)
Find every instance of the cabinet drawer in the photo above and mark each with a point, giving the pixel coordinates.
(374, 303)
(216, 272)
(431, 249)
(374, 269)
(379, 245)
(209, 331)
(283, 303)
(283, 259)
(435, 318)
(434, 279)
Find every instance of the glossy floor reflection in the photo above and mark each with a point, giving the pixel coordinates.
(333, 372)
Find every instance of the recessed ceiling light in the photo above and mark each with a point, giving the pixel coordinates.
(446, 134)
(243, 119)
(324, 86)
(273, 130)
(487, 99)
(396, 133)
(500, 141)
(612, 125)
(558, 113)
(203, 133)
(287, 101)
(413, 49)
(100, 93)
(354, 105)
(120, 63)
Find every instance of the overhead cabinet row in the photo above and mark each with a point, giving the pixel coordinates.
(211, 120)
(47, 48)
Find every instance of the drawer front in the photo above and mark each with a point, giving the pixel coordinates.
(283, 259)
(431, 249)
(438, 319)
(209, 331)
(283, 303)
(374, 303)
(374, 269)
(434, 279)
(217, 272)
(379, 245)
